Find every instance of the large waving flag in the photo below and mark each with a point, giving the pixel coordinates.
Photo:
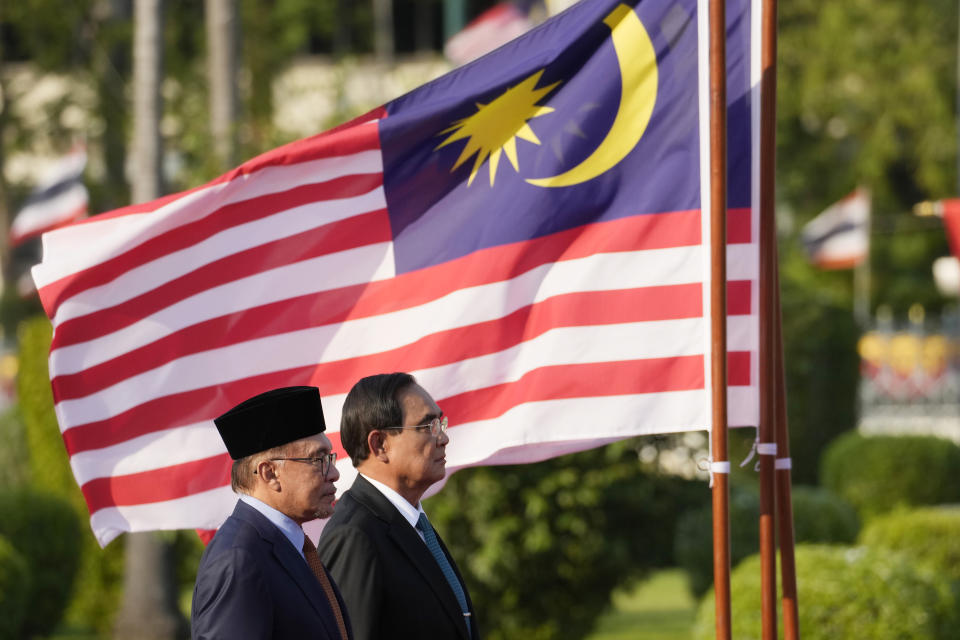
(524, 235)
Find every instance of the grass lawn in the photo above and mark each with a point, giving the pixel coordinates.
(657, 609)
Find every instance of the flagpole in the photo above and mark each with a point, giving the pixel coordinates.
(720, 466)
(788, 567)
(767, 445)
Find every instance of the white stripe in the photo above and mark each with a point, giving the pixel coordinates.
(743, 403)
(155, 273)
(703, 94)
(72, 249)
(742, 262)
(41, 215)
(205, 510)
(460, 308)
(848, 245)
(354, 266)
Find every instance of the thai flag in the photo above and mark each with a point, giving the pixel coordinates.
(839, 238)
(58, 199)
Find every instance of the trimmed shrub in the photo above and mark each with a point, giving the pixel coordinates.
(14, 589)
(845, 592)
(46, 532)
(931, 536)
(880, 473)
(818, 516)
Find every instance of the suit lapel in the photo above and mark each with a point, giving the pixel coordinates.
(413, 548)
(295, 566)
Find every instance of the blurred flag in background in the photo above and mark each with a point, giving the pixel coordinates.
(839, 238)
(58, 199)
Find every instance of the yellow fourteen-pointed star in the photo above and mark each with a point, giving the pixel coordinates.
(495, 127)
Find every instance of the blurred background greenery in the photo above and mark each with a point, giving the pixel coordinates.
(610, 543)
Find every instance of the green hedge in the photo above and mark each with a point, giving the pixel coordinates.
(818, 516)
(14, 590)
(931, 536)
(46, 532)
(99, 580)
(845, 592)
(879, 473)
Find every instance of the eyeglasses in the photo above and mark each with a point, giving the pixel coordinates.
(436, 426)
(322, 462)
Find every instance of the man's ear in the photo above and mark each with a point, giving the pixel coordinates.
(267, 473)
(377, 442)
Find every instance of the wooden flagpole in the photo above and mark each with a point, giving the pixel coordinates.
(788, 567)
(767, 445)
(774, 343)
(720, 465)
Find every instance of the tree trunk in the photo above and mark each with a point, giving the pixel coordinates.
(149, 609)
(383, 30)
(222, 26)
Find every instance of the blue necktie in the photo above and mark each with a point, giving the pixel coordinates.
(423, 526)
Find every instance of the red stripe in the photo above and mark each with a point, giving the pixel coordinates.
(738, 297)
(369, 228)
(580, 309)
(579, 381)
(739, 226)
(158, 485)
(193, 233)
(738, 368)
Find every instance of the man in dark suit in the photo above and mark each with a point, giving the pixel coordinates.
(260, 576)
(396, 575)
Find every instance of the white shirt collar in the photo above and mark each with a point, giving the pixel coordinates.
(290, 529)
(409, 512)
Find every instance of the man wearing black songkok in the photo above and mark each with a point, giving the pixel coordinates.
(260, 576)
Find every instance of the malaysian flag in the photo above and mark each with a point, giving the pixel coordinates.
(524, 235)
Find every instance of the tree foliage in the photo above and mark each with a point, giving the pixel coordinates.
(542, 546)
(866, 97)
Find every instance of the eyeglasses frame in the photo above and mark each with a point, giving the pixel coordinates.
(441, 427)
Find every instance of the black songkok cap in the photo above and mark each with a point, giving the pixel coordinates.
(271, 419)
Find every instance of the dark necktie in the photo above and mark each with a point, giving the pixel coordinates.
(430, 537)
(313, 559)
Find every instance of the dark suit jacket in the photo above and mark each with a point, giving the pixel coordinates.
(252, 583)
(392, 585)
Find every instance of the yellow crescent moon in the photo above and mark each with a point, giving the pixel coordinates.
(638, 93)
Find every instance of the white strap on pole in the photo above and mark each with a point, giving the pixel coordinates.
(718, 466)
(722, 466)
(783, 463)
(767, 448)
